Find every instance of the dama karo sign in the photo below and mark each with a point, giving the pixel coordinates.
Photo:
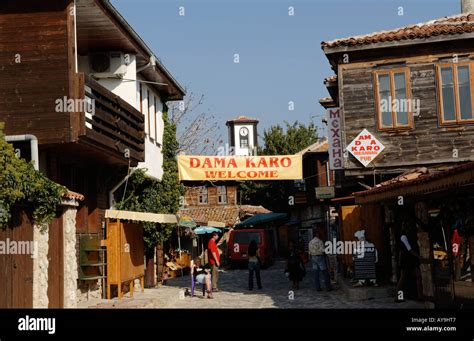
(365, 147)
(277, 167)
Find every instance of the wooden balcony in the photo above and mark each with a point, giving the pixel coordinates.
(113, 126)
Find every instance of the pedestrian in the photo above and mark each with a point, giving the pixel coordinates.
(254, 264)
(319, 261)
(214, 259)
(201, 275)
(294, 265)
(409, 261)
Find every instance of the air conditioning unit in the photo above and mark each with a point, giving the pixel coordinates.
(107, 65)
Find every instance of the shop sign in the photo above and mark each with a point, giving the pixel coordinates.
(277, 167)
(325, 192)
(365, 147)
(336, 154)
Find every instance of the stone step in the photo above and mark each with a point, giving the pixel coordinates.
(365, 292)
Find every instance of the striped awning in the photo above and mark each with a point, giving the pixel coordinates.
(141, 216)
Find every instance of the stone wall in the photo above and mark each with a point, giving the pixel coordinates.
(88, 290)
(70, 261)
(40, 267)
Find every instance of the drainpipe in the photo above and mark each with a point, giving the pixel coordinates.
(151, 63)
(33, 144)
(116, 187)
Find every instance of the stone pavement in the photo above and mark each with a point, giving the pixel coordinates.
(234, 293)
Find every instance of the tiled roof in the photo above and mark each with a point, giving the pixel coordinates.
(230, 215)
(243, 119)
(250, 209)
(74, 196)
(407, 176)
(422, 176)
(318, 147)
(452, 25)
(330, 79)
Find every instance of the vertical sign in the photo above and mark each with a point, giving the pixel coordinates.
(336, 160)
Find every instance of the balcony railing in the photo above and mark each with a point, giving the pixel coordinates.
(112, 123)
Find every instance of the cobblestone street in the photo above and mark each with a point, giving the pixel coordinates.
(233, 293)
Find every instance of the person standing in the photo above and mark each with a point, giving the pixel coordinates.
(214, 259)
(254, 264)
(294, 265)
(318, 259)
(409, 261)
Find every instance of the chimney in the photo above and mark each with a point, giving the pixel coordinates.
(467, 6)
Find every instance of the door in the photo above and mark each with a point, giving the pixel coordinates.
(16, 267)
(56, 264)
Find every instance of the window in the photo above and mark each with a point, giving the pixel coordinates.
(455, 83)
(221, 195)
(243, 237)
(244, 141)
(156, 119)
(203, 196)
(151, 129)
(140, 90)
(393, 99)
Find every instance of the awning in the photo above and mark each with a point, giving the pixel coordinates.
(262, 218)
(205, 229)
(455, 177)
(142, 216)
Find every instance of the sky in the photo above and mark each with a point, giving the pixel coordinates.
(280, 57)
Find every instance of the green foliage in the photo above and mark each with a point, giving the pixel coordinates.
(296, 137)
(278, 141)
(145, 194)
(20, 183)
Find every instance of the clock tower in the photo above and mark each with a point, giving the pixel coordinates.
(243, 135)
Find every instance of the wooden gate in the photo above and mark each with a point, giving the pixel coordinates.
(56, 264)
(16, 270)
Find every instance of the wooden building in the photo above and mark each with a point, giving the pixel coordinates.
(426, 72)
(78, 77)
(440, 204)
(412, 89)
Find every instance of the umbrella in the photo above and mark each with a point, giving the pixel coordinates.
(205, 229)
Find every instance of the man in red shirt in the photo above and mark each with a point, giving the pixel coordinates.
(214, 259)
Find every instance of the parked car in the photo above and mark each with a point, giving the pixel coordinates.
(239, 241)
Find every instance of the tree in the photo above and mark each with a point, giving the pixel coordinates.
(21, 183)
(296, 137)
(145, 194)
(278, 141)
(197, 132)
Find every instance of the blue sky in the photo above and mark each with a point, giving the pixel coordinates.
(280, 55)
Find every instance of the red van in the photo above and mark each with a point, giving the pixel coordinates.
(239, 241)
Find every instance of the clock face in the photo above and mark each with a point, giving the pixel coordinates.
(244, 131)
